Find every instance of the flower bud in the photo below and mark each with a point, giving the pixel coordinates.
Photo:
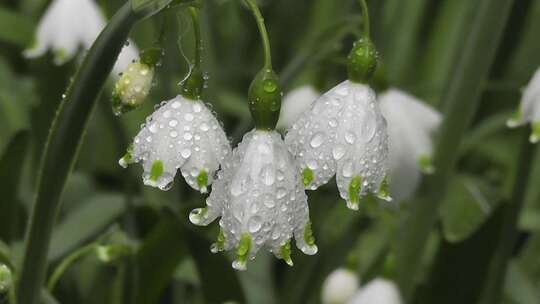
(6, 278)
(362, 61)
(265, 99)
(134, 85)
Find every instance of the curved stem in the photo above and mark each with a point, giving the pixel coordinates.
(60, 269)
(262, 30)
(198, 37)
(365, 17)
(63, 142)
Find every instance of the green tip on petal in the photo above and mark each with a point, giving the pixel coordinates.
(384, 192)
(535, 136)
(157, 170)
(242, 252)
(285, 252)
(197, 215)
(219, 245)
(60, 56)
(354, 192)
(202, 181)
(514, 120)
(6, 278)
(308, 235)
(127, 158)
(307, 176)
(426, 165)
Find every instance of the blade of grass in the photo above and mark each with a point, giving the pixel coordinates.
(461, 102)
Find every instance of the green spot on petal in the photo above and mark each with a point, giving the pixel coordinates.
(157, 170)
(219, 245)
(202, 180)
(285, 252)
(243, 248)
(535, 136)
(425, 164)
(308, 235)
(354, 190)
(515, 119)
(384, 191)
(307, 176)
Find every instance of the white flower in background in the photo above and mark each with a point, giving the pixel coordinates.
(6, 278)
(339, 287)
(378, 291)
(68, 25)
(294, 104)
(343, 134)
(180, 134)
(411, 125)
(261, 200)
(529, 109)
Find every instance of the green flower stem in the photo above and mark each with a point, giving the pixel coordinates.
(63, 142)
(365, 17)
(264, 34)
(194, 12)
(509, 230)
(462, 100)
(68, 261)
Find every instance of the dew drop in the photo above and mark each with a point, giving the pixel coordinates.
(173, 123)
(204, 127)
(186, 153)
(350, 137)
(254, 224)
(188, 117)
(281, 192)
(317, 140)
(173, 134)
(348, 169)
(188, 136)
(338, 152)
(268, 175)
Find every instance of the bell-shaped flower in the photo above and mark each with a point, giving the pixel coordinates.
(294, 104)
(68, 25)
(181, 134)
(411, 126)
(339, 287)
(261, 200)
(380, 291)
(529, 109)
(343, 134)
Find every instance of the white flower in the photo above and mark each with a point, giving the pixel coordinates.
(339, 287)
(6, 278)
(294, 104)
(411, 124)
(529, 110)
(181, 134)
(378, 291)
(343, 134)
(261, 201)
(70, 24)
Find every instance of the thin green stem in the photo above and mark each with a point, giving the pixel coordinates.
(262, 30)
(194, 12)
(68, 261)
(365, 17)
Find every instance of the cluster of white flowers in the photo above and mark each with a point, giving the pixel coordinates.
(69, 25)
(342, 287)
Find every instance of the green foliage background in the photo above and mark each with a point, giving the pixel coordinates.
(421, 43)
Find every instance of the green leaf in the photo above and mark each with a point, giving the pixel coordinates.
(160, 253)
(85, 222)
(9, 21)
(519, 288)
(147, 8)
(11, 167)
(469, 202)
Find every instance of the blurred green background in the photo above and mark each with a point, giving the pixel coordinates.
(168, 261)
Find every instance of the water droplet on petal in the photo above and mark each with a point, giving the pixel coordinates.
(268, 175)
(348, 168)
(350, 137)
(186, 153)
(317, 140)
(173, 123)
(188, 117)
(338, 152)
(254, 224)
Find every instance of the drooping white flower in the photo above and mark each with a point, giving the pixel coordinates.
(343, 134)
(339, 287)
(261, 200)
(294, 104)
(379, 291)
(181, 134)
(68, 25)
(411, 126)
(529, 109)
